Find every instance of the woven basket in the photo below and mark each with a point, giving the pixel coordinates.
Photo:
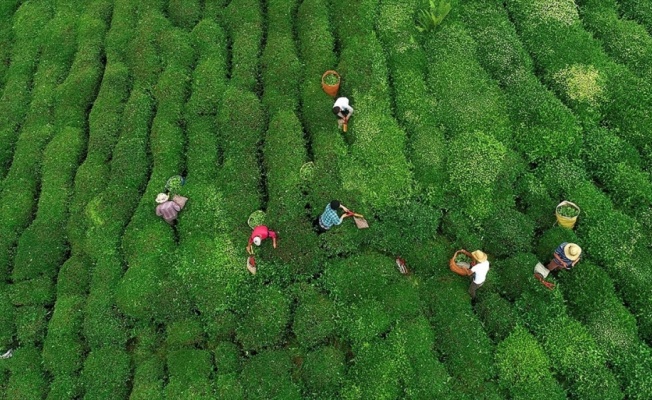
(566, 222)
(331, 90)
(456, 268)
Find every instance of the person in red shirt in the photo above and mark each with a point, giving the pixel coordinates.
(260, 233)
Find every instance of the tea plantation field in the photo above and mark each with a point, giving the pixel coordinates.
(466, 135)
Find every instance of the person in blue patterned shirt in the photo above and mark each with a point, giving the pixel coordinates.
(330, 217)
(566, 256)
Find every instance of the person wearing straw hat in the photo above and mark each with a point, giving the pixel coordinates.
(478, 272)
(566, 256)
(260, 233)
(342, 110)
(168, 209)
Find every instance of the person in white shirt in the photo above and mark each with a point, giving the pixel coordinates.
(342, 110)
(479, 271)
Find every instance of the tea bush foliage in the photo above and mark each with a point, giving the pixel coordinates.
(464, 136)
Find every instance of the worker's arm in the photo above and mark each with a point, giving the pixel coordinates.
(249, 249)
(344, 208)
(274, 241)
(549, 285)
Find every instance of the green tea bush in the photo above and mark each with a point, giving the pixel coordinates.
(209, 76)
(544, 127)
(323, 372)
(267, 375)
(508, 232)
(376, 168)
(184, 14)
(580, 72)
(638, 11)
(121, 32)
(577, 358)
(14, 104)
(64, 387)
(63, 349)
(265, 321)
(98, 384)
(421, 373)
(7, 327)
(37, 291)
(280, 70)
(148, 380)
(228, 386)
(142, 55)
(244, 22)
(184, 333)
(241, 121)
(227, 358)
(515, 275)
(459, 336)
(30, 322)
(361, 276)
(374, 373)
(27, 380)
(103, 324)
(524, 369)
(6, 36)
(189, 371)
(497, 315)
(473, 174)
(314, 317)
(625, 41)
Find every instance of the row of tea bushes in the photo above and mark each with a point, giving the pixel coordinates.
(243, 20)
(572, 350)
(418, 217)
(104, 327)
(285, 149)
(375, 169)
(607, 234)
(27, 323)
(30, 18)
(326, 146)
(64, 347)
(149, 243)
(636, 10)
(591, 84)
(7, 10)
(625, 41)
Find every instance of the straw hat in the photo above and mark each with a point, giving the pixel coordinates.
(162, 198)
(479, 255)
(572, 251)
(257, 240)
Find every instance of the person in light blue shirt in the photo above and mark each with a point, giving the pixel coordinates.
(330, 217)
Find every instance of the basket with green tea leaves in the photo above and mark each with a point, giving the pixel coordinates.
(462, 258)
(331, 79)
(567, 213)
(461, 262)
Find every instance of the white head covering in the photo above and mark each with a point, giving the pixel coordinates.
(257, 241)
(162, 198)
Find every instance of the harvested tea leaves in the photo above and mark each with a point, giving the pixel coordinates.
(568, 211)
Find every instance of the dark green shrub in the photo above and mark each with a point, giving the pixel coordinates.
(574, 353)
(244, 24)
(473, 179)
(364, 276)
(497, 315)
(422, 374)
(638, 11)
(148, 380)
(539, 307)
(74, 277)
(281, 70)
(27, 380)
(551, 239)
(65, 387)
(374, 373)
(227, 358)
(267, 375)
(31, 324)
(265, 321)
(62, 350)
(188, 365)
(38, 291)
(365, 319)
(314, 317)
(524, 368)
(323, 372)
(98, 384)
(220, 326)
(228, 386)
(508, 232)
(184, 333)
(184, 14)
(459, 336)
(103, 324)
(7, 311)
